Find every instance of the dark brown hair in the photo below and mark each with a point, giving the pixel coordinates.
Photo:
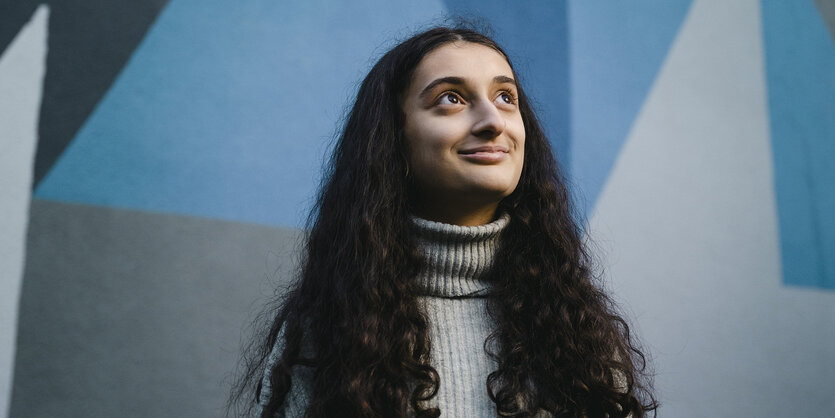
(562, 347)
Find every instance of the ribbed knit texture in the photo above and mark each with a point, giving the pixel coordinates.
(452, 293)
(457, 261)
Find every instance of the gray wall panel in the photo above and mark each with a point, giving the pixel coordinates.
(146, 314)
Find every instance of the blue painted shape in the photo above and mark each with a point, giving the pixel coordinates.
(616, 51)
(534, 33)
(227, 109)
(800, 72)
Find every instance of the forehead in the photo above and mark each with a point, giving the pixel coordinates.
(461, 59)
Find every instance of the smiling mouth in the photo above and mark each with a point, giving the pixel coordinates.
(486, 149)
(487, 154)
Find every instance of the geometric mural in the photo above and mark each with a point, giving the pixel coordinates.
(617, 49)
(180, 144)
(188, 162)
(22, 68)
(213, 118)
(800, 68)
(687, 226)
(89, 43)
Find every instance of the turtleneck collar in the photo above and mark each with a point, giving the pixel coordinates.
(457, 257)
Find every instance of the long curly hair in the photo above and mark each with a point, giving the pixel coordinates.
(560, 344)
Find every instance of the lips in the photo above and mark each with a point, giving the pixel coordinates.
(489, 149)
(485, 154)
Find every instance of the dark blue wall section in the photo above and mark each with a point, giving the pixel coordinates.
(218, 119)
(536, 38)
(617, 49)
(800, 68)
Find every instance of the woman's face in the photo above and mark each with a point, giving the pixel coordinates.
(464, 128)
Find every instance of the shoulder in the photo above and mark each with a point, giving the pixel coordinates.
(301, 385)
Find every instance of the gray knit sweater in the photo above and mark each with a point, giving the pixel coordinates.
(453, 297)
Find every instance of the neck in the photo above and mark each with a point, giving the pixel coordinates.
(458, 213)
(457, 258)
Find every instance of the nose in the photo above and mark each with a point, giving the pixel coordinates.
(489, 122)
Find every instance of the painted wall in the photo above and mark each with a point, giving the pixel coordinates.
(157, 159)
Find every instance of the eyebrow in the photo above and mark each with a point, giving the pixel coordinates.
(499, 79)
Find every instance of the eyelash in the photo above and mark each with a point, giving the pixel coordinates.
(458, 95)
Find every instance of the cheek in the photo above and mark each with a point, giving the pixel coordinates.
(433, 137)
(519, 134)
(517, 127)
(516, 130)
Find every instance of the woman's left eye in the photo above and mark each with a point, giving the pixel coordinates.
(452, 99)
(507, 97)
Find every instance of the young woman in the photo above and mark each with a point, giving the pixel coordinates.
(444, 272)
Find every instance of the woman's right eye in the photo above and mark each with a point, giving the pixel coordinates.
(449, 98)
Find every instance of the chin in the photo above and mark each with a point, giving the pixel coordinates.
(495, 191)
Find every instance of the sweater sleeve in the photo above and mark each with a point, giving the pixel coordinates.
(296, 402)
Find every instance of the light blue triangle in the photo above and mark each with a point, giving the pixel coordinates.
(227, 108)
(616, 51)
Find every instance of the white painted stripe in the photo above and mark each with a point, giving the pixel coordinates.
(22, 69)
